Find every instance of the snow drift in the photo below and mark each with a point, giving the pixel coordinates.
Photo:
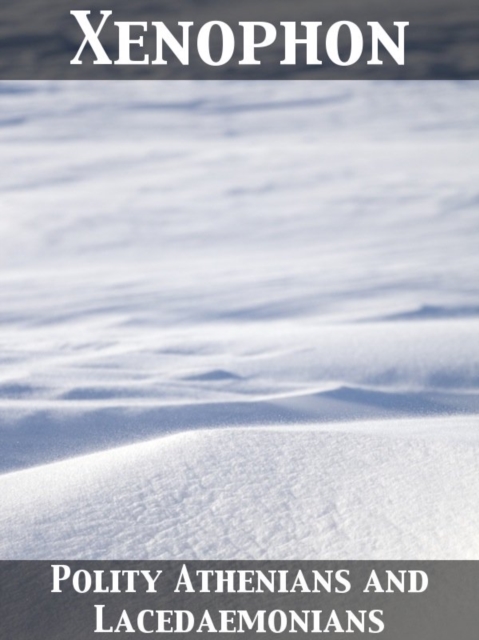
(273, 286)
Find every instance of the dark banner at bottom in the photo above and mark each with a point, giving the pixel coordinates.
(59, 600)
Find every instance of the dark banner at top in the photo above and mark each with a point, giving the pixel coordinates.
(250, 39)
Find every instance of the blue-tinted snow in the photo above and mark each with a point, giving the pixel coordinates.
(182, 256)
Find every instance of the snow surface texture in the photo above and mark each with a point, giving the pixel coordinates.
(274, 286)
